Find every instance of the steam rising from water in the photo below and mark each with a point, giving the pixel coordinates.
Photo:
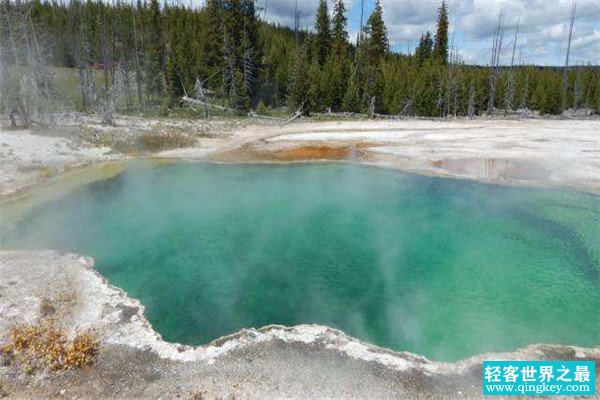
(445, 268)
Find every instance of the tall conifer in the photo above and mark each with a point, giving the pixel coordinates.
(440, 49)
(377, 41)
(322, 32)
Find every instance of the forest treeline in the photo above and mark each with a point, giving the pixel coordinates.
(153, 54)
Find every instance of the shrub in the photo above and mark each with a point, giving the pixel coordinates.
(261, 108)
(46, 308)
(164, 141)
(43, 346)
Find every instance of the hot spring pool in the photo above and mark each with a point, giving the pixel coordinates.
(439, 267)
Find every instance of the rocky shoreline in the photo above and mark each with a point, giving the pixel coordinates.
(272, 361)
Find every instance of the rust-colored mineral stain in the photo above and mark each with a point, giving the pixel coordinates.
(301, 153)
(312, 153)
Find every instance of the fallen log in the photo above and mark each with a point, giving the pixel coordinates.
(296, 116)
(345, 114)
(255, 115)
(206, 104)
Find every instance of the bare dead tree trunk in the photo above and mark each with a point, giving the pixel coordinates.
(565, 82)
(249, 78)
(577, 90)
(42, 76)
(124, 54)
(297, 115)
(189, 100)
(472, 97)
(440, 95)
(227, 61)
(496, 48)
(525, 99)
(372, 107)
(199, 89)
(138, 67)
(89, 90)
(512, 59)
(26, 84)
(509, 93)
(455, 92)
(106, 115)
(23, 109)
(360, 31)
(451, 98)
(296, 22)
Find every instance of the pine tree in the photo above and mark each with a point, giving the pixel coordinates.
(174, 80)
(377, 42)
(239, 45)
(351, 101)
(249, 48)
(509, 92)
(440, 48)
(316, 92)
(335, 72)
(525, 98)
(551, 96)
(212, 42)
(340, 35)
(472, 100)
(158, 42)
(427, 93)
(423, 51)
(370, 55)
(300, 87)
(322, 33)
(376, 89)
(156, 57)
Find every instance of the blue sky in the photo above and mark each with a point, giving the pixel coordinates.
(543, 26)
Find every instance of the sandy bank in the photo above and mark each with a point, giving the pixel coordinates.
(538, 152)
(27, 158)
(533, 151)
(306, 361)
(31, 157)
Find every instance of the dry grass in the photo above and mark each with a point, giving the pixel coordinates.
(45, 347)
(199, 394)
(42, 171)
(145, 139)
(47, 308)
(46, 172)
(163, 141)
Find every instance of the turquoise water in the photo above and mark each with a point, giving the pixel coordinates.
(440, 267)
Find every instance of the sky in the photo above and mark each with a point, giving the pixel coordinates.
(543, 32)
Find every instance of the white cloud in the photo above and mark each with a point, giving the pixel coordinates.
(592, 39)
(543, 25)
(282, 11)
